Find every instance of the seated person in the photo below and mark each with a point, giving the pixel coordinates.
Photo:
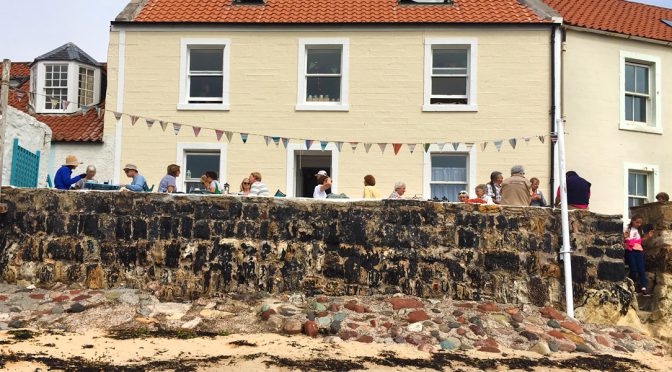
(399, 190)
(63, 179)
(481, 196)
(462, 197)
(169, 181)
(88, 177)
(138, 182)
(257, 188)
(213, 182)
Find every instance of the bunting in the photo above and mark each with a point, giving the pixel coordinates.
(527, 140)
(164, 125)
(382, 147)
(353, 145)
(19, 95)
(441, 145)
(456, 145)
(197, 130)
(276, 140)
(323, 145)
(219, 134)
(426, 146)
(243, 137)
(513, 142)
(483, 146)
(133, 119)
(117, 115)
(149, 122)
(367, 147)
(396, 147)
(267, 140)
(229, 135)
(498, 144)
(542, 139)
(176, 128)
(308, 144)
(285, 141)
(339, 146)
(411, 147)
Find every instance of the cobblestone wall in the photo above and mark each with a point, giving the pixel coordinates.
(183, 247)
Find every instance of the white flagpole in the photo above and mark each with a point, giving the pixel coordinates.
(566, 248)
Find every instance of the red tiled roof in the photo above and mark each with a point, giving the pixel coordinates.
(64, 127)
(337, 11)
(618, 16)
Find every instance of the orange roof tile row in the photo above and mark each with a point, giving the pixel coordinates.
(617, 16)
(337, 11)
(64, 127)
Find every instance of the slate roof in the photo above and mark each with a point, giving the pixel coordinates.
(65, 127)
(617, 16)
(331, 12)
(68, 52)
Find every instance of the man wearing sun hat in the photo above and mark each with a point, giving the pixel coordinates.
(323, 184)
(63, 179)
(138, 183)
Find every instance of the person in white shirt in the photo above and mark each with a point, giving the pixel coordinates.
(399, 190)
(257, 188)
(323, 184)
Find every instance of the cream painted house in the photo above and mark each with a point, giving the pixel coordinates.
(617, 99)
(342, 70)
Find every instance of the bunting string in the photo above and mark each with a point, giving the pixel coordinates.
(323, 144)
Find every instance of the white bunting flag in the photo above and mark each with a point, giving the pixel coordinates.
(411, 147)
(339, 146)
(276, 140)
(527, 140)
(441, 145)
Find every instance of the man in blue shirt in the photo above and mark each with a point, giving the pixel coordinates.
(63, 179)
(138, 183)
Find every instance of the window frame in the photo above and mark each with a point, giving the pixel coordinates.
(653, 183)
(471, 44)
(302, 74)
(93, 85)
(654, 107)
(184, 148)
(468, 150)
(186, 44)
(67, 88)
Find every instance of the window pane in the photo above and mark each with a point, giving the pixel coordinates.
(641, 184)
(642, 79)
(323, 61)
(629, 108)
(449, 168)
(629, 78)
(639, 113)
(199, 163)
(634, 202)
(449, 58)
(325, 89)
(632, 183)
(449, 86)
(206, 59)
(450, 192)
(206, 86)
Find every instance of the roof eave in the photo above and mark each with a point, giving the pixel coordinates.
(617, 34)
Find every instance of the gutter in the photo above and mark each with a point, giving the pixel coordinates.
(615, 34)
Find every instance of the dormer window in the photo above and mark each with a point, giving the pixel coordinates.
(65, 79)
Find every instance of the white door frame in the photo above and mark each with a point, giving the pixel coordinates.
(291, 166)
(181, 160)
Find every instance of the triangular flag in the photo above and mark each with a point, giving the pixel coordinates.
(243, 136)
(267, 139)
(285, 141)
(513, 142)
(276, 140)
(19, 95)
(219, 134)
(65, 104)
(117, 115)
(483, 146)
(308, 144)
(339, 146)
(149, 122)
(176, 128)
(441, 145)
(469, 145)
(84, 109)
(53, 102)
(411, 147)
(197, 130)
(542, 139)
(133, 119)
(396, 147)
(426, 146)
(498, 144)
(354, 145)
(382, 147)
(456, 145)
(323, 145)
(527, 140)
(98, 111)
(229, 135)
(367, 147)
(164, 124)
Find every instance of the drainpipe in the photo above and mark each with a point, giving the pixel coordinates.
(557, 126)
(552, 115)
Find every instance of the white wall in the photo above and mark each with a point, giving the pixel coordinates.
(98, 154)
(33, 136)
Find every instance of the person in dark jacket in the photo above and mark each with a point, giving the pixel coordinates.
(578, 192)
(63, 179)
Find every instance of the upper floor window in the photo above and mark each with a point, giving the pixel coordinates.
(56, 86)
(450, 75)
(86, 86)
(323, 74)
(204, 81)
(640, 87)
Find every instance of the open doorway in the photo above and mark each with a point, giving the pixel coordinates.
(307, 164)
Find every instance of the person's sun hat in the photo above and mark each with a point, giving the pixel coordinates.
(130, 167)
(322, 173)
(72, 161)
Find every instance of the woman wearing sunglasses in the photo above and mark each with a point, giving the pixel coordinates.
(245, 187)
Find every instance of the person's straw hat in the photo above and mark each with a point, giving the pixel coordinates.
(72, 160)
(131, 167)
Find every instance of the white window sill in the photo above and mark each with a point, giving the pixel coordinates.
(644, 128)
(322, 107)
(458, 108)
(203, 106)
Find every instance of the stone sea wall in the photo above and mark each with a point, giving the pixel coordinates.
(183, 247)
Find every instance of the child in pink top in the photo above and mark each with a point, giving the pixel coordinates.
(634, 252)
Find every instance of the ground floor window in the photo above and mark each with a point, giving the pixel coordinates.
(195, 160)
(449, 175)
(641, 185)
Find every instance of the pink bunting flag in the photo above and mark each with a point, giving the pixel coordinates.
(219, 134)
(197, 130)
(19, 95)
(382, 147)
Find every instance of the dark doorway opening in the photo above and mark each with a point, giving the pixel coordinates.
(308, 163)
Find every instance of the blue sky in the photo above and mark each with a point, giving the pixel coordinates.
(35, 27)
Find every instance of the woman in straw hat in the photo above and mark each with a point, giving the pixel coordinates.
(63, 179)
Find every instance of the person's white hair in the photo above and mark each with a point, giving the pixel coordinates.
(517, 169)
(91, 168)
(398, 185)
